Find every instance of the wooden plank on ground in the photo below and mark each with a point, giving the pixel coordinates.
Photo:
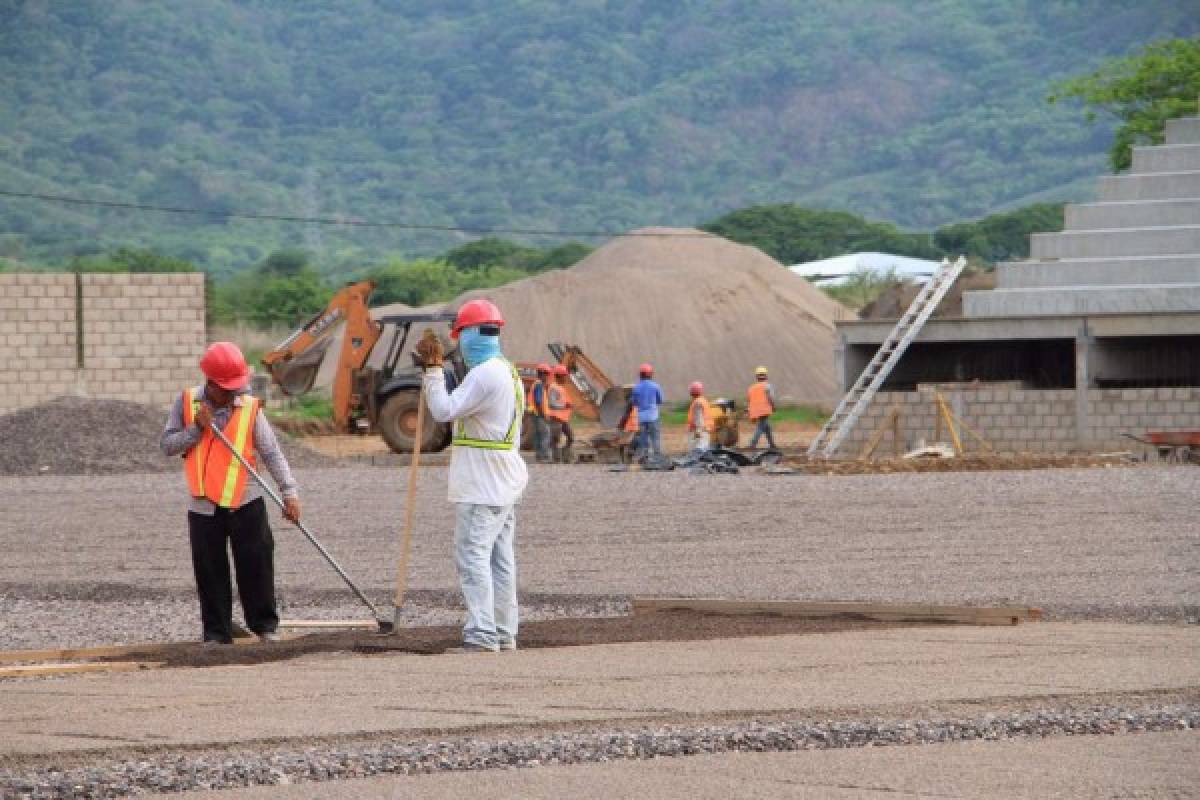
(328, 623)
(147, 650)
(886, 612)
(71, 668)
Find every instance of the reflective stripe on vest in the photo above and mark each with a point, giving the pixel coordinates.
(706, 407)
(760, 404)
(212, 470)
(509, 442)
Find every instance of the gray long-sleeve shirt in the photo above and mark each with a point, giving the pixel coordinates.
(178, 438)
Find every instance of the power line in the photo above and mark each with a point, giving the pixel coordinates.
(353, 222)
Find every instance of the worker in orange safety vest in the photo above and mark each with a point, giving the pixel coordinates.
(760, 405)
(226, 509)
(560, 409)
(545, 426)
(700, 420)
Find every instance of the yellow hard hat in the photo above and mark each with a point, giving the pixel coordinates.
(760, 370)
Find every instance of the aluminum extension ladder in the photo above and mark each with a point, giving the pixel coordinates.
(856, 401)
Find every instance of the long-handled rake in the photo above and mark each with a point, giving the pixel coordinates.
(385, 626)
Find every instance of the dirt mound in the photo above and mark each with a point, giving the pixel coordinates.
(699, 307)
(93, 436)
(893, 302)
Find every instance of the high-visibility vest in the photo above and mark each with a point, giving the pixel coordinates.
(558, 406)
(759, 403)
(703, 404)
(509, 442)
(542, 408)
(212, 470)
(631, 424)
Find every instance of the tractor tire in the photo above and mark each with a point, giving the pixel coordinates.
(398, 424)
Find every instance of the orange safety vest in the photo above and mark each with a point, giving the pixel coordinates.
(211, 470)
(542, 409)
(759, 403)
(706, 407)
(557, 405)
(631, 424)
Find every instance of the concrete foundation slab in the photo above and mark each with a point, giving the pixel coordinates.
(1082, 300)
(1183, 131)
(1144, 214)
(1167, 158)
(1182, 269)
(1156, 241)
(1149, 186)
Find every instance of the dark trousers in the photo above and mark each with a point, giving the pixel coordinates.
(248, 534)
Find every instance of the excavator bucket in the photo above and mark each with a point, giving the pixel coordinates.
(612, 406)
(297, 375)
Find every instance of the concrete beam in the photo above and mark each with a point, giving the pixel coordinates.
(1136, 214)
(1185, 130)
(1150, 186)
(986, 329)
(1161, 241)
(1082, 300)
(1183, 269)
(1166, 158)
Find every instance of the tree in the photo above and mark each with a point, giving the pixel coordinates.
(999, 237)
(486, 252)
(1159, 83)
(289, 261)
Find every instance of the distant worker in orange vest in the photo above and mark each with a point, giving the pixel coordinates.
(561, 410)
(629, 424)
(700, 420)
(760, 400)
(226, 510)
(539, 405)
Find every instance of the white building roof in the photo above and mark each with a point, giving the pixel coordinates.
(834, 270)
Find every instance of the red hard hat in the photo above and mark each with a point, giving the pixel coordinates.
(560, 369)
(543, 367)
(224, 365)
(646, 369)
(696, 387)
(477, 312)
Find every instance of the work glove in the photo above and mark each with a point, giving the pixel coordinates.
(430, 352)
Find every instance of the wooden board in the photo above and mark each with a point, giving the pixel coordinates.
(886, 612)
(146, 650)
(40, 670)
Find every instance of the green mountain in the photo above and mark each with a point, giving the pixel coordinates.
(584, 116)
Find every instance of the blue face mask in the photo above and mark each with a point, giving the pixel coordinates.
(477, 348)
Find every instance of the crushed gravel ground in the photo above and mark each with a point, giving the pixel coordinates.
(92, 436)
(182, 772)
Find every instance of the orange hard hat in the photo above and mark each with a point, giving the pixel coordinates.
(646, 369)
(477, 312)
(696, 388)
(560, 369)
(224, 365)
(543, 367)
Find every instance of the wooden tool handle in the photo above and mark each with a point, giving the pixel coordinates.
(410, 505)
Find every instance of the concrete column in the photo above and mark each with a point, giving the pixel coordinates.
(1085, 344)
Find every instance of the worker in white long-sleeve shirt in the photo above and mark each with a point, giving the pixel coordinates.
(487, 473)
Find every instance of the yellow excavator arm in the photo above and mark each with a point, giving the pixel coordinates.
(294, 362)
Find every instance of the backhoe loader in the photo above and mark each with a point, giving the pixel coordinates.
(373, 391)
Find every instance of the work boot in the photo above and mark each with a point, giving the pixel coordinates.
(469, 648)
(508, 644)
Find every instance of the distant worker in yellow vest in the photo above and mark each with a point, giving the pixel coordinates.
(700, 420)
(561, 410)
(760, 402)
(226, 510)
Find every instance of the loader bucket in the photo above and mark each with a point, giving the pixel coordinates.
(612, 407)
(297, 375)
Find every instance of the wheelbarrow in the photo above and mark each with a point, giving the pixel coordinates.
(1174, 446)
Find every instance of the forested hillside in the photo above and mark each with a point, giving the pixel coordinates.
(579, 116)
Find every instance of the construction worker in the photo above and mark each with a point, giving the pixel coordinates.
(646, 398)
(628, 424)
(226, 509)
(560, 410)
(700, 420)
(538, 401)
(760, 405)
(487, 474)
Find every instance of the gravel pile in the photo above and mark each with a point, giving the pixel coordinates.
(92, 436)
(224, 770)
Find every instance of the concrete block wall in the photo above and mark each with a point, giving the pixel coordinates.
(138, 336)
(1018, 420)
